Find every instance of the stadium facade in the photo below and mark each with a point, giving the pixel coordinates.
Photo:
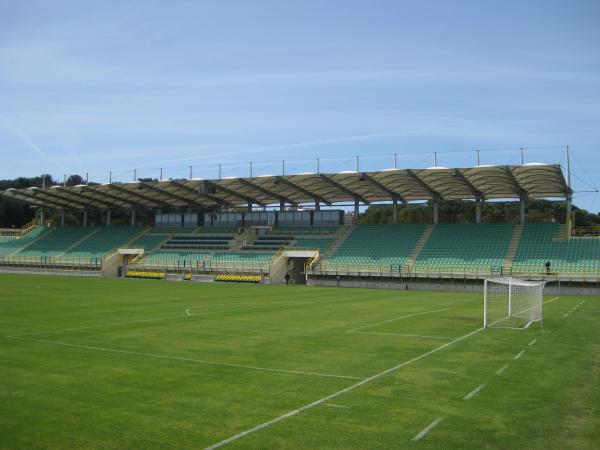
(290, 228)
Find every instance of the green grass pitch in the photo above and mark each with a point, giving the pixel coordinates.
(117, 363)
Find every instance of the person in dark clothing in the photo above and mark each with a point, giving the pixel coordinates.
(287, 278)
(547, 266)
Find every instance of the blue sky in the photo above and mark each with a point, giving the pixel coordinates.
(99, 86)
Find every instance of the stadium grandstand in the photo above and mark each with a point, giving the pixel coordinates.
(297, 228)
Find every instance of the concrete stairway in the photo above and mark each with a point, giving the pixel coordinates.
(40, 236)
(513, 246)
(340, 236)
(417, 250)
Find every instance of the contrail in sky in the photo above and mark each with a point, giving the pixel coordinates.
(30, 143)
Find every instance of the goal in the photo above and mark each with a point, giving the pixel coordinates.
(512, 303)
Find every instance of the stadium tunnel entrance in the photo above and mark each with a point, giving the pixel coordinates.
(292, 264)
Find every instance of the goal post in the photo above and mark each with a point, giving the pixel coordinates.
(512, 303)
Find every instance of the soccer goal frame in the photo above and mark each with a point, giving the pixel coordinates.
(512, 303)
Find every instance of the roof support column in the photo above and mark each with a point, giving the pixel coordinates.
(436, 213)
(85, 218)
(108, 217)
(42, 217)
(569, 218)
(356, 211)
(133, 217)
(395, 211)
(478, 203)
(62, 217)
(523, 212)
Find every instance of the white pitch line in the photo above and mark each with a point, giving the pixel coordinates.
(396, 318)
(340, 392)
(91, 327)
(427, 429)
(474, 392)
(179, 358)
(444, 338)
(502, 369)
(333, 405)
(518, 355)
(573, 309)
(532, 342)
(187, 314)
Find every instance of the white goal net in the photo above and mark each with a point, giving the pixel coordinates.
(512, 303)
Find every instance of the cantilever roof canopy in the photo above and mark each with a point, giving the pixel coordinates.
(484, 182)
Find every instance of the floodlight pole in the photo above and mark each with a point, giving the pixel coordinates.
(190, 172)
(42, 214)
(161, 174)
(477, 151)
(283, 167)
(434, 159)
(250, 169)
(357, 164)
(318, 166)
(569, 195)
(86, 178)
(219, 171)
(395, 160)
(110, 176)
(134, 175)
(522, 156)
(65, 180)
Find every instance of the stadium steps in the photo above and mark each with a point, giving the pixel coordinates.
(80, 241)
(33, 241)
(243, 239)
(513, 247)
(562, 234)
(339, 237)
(135, 238)
(420, 244)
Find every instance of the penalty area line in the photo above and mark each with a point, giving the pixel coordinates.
(474, 392)
(427, 429)
(353, 330)
(329, 397)
(443, 338)
(333, 405)
(502, 369)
